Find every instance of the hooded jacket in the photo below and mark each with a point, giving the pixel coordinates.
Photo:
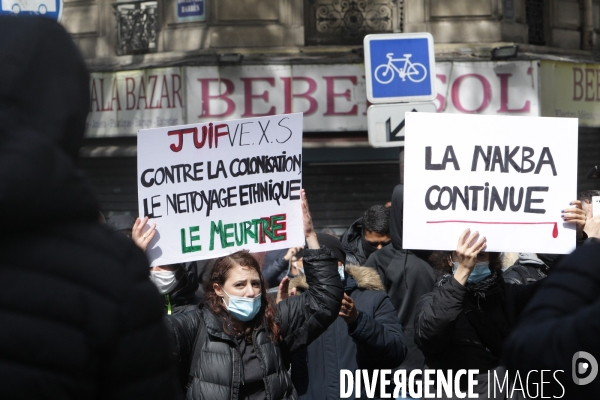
(561, 320)
(183, 297)
(79, 318)
(218, 372)
(373, 341)
(527, 269)
(406, 278)
(353, 243)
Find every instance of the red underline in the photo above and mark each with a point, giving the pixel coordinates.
(496, 223)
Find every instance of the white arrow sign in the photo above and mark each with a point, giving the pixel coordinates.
(386, 122)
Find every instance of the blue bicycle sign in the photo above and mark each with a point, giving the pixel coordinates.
(47, 8)
(400, 67)
(415, 72)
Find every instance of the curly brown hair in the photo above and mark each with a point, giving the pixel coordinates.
(266, 314)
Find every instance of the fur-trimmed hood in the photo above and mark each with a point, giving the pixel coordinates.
(366, 278)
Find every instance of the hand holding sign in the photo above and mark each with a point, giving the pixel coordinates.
(575, 214)
(309, 230)
(467, 250)
(141, 238)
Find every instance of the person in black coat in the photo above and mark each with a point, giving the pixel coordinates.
(239, 345)
(562, 319)
(464, 322)
(79, 317)
(406, 276)
(527, 269)
(177, 285)
(367, 235)
(366, 335)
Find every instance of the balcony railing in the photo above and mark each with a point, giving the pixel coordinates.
(136, 26)
(346, 22)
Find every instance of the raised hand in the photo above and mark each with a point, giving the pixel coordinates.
(575, 214)
(141, 238)
(282, 292)
(309, 230)
(466, 254)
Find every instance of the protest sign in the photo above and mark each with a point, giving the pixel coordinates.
(218, 187)
(506, 177)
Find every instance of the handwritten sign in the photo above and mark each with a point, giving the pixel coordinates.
(218, 187)
(506, 177)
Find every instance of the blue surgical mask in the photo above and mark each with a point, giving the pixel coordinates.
(341, 271)
(480, 271)
(243, 308)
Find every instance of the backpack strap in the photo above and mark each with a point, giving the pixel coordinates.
(198, 346)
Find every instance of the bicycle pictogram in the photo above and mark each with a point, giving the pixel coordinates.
(415, 72)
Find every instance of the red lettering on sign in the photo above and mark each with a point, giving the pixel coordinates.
(140, 97)
(288, 95)
(176, 92)
(249, 96)
(504, 95)
(94, 96)
(577, 83)
(331, 95)
(180, 133)
(589, 84)
(487, 93)
(439, 96)
(114, 95)
(164, 93)
(207, 97)
(129, 93)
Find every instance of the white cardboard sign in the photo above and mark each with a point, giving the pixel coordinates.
(508, 178)
(219, 187)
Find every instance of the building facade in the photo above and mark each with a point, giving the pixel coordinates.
(168, 62)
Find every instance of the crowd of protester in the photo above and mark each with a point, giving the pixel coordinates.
(80, 308)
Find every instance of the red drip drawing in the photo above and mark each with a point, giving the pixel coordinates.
(554, 231)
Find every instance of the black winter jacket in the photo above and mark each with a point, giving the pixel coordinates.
(374, 341)
(406, 278)
(464, 327)
(563, 318)
(527, 269)
(217, 374)
(183, 297)
(79, 318)
(352, 241)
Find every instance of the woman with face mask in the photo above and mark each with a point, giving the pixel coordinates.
(239, 345)
(464, 321)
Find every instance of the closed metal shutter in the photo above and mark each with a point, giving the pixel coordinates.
(114, 180)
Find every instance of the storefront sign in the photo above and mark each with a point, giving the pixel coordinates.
(332, 97)
(492, 88)
(507, 178)
(215, 188)
(571, 90)
(124, 102)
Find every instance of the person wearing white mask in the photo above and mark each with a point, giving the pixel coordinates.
(177, 284)
(465, 321)
(238, 345)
